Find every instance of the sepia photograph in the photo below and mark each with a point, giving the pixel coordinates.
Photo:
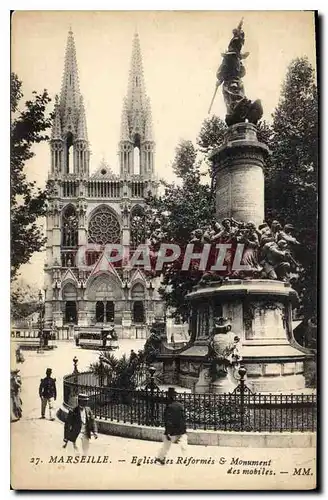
(163, 232)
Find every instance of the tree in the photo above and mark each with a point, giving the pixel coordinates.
(185, 157)
(291, 180)
(173, 216)
(28, 202)
(211, 136)
(24, 299)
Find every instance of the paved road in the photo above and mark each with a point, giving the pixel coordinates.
(38, 460)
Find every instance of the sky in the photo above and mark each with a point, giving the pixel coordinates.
(181, 52)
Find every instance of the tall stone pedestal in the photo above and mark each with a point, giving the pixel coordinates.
(260, 312)
(238, 167)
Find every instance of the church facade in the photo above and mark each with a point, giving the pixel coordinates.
(87, 211)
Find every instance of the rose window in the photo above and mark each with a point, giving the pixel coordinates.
(104, 228)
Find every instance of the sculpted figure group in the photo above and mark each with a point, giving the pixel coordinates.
(223, 348)
(268, 250)
(230, 74)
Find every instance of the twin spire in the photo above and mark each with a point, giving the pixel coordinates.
(136, 121)
(69, 109)
(136, 114)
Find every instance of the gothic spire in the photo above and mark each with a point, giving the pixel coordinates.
(70, 91)
(125, 133)
(69, 123)
(148, 122)
(56, 132)
(136, 114)
(82, 132)
(136, 88)
(136, 142)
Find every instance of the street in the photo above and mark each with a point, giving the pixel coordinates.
(38, 460)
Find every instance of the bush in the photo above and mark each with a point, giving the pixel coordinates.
(310, 373)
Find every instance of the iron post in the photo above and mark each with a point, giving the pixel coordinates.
(242, 372)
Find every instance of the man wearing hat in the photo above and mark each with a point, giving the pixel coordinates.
(175, 426)
(80, 425)
(47, 393)
(287, 236)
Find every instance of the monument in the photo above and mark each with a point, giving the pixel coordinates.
(255, 301)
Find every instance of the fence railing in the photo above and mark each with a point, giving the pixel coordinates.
(237, 411)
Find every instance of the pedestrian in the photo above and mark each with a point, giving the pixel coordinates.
(80, 425)
(47, 393)
(175, 426)
(133, 356)
(15, 399)
(19, 355)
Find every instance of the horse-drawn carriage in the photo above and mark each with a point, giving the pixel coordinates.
(106, 339)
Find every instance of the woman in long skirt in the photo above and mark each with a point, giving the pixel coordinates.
(15, 399)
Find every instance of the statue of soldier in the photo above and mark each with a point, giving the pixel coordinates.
(223, 350)
(230, 74)
(277, 260)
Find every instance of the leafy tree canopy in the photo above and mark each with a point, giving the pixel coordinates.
(24, 299)
(28, 202)
(291, 179)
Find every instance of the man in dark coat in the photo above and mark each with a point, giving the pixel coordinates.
(175, 426)
(80, 425)
(47, 393)
(15, 399)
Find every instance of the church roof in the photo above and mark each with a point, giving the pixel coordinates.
(103, 265)
(104, 172)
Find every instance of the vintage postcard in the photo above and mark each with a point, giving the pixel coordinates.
(163, 250)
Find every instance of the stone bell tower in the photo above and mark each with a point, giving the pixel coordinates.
(87, 211)
(68, 180)
(137, 146)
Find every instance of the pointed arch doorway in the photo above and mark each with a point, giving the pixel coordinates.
(105, 311)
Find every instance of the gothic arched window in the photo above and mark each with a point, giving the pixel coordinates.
(136, 155)
(104, 227)
(136, 160)
(137, 226)
(69, 227)
(138, 292)
(99, 312)
(138, 312)
(69, 153)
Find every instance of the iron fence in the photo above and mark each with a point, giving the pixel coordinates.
(237, 411)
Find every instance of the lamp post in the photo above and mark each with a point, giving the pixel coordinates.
(152, 386)
(75, 362)
(101, 370)
(76, 378)
(40, 322)
(242, 372)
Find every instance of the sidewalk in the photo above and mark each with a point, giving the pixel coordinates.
(117, 467)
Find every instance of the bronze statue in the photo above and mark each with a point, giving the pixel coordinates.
(276, 263)
(223, 348)
(230, 74)
(250, 239)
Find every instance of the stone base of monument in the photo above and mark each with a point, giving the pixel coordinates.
(260, 312)
(224, 385)
(204, 381)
